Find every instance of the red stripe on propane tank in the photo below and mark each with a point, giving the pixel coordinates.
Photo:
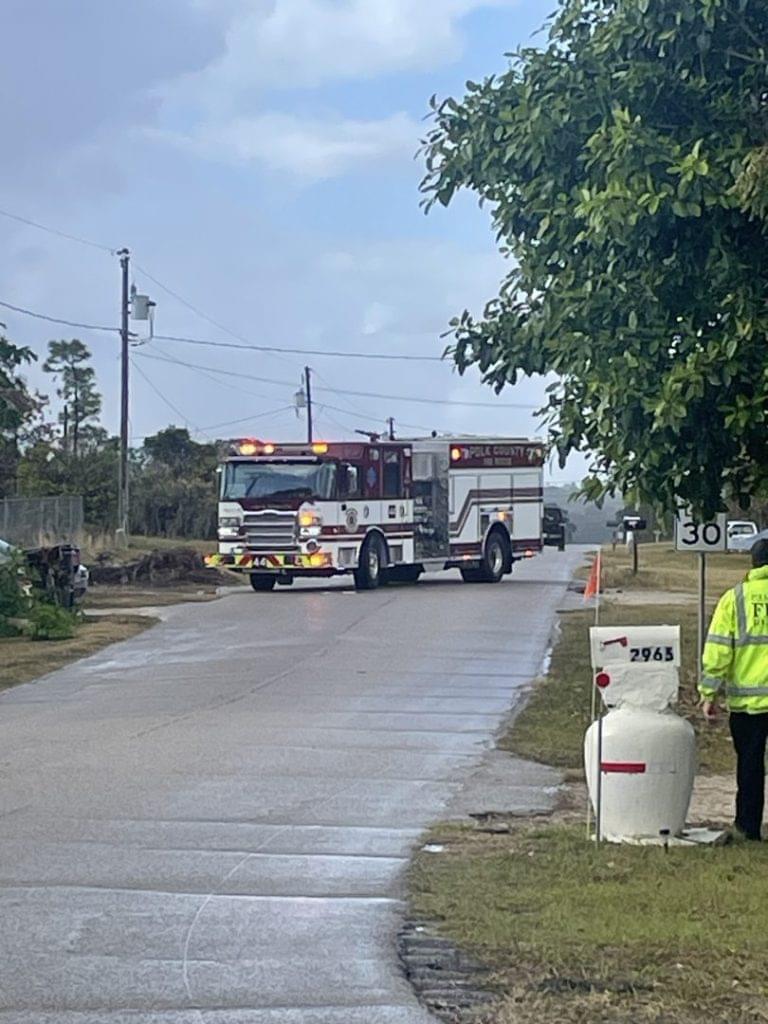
(623, 767)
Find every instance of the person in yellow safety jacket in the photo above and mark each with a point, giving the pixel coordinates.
(735, 665)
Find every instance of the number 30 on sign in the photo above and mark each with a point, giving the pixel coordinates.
(693, 535)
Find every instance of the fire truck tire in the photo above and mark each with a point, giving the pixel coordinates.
(373, 556)
(262, 582)
(496, 558)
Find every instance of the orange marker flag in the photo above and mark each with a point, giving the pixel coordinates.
(594, 583)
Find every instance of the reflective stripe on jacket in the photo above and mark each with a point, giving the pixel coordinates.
(735, 661)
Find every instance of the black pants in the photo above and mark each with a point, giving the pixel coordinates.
(749, 733)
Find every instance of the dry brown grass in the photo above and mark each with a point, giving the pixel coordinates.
(663, 568)
(22, 660)
(93, 545)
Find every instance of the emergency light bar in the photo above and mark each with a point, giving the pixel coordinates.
(250, 446)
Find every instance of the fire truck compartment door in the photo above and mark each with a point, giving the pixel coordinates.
(431, 501)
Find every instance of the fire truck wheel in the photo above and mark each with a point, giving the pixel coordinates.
(261, 582)
(496, 558)
(370, 573)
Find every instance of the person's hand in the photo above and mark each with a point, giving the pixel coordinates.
(709, 710)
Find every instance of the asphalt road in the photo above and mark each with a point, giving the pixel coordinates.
(209, 824)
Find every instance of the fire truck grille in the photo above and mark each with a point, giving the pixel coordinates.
(271, 531)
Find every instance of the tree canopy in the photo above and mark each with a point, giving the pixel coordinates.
(69, 361)
(626, 167)
(18, 409)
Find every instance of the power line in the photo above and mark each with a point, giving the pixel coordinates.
(344, 391)
(167, 401)
(357, 413)
(58, 320)
(54, 231)
(241, 346)
(209, 376)
(194, 309)
(338, 354)
(247, 419)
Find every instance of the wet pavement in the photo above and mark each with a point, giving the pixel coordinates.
(210, 823)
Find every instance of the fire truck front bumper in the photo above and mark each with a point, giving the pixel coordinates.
(278, 563)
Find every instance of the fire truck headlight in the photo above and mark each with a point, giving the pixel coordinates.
(229, 527)
(310, 523)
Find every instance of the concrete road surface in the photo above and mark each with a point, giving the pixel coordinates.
(209, 824)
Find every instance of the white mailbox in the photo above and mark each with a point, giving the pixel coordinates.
(646, 752)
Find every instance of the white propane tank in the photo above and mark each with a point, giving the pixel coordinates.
(642, 787)
(648, 766)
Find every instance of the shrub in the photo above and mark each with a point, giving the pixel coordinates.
(49, 622)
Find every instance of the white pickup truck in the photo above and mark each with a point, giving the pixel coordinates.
(742, 534)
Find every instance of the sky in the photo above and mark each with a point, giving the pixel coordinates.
(258, 158)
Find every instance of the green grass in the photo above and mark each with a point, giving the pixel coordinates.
(551, 727)
(618, 934)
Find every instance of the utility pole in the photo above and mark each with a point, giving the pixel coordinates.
(391, 425)
(122, 493)
(308, 394)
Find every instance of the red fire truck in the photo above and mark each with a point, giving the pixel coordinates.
(379, 510)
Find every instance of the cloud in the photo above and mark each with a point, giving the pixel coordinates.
(306, 43)
(308, 149)
(219, 112)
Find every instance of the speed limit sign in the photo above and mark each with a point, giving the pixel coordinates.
(693, 535)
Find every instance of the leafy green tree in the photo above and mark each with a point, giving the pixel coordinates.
(45, 470)
(173, 447)
(68, 361)
(626, 169)
(173, 492)
(18, 409)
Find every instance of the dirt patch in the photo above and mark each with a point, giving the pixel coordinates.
(643, 598)
(128, 596)
(713, 800)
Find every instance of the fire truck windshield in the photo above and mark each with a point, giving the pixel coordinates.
(279, 480)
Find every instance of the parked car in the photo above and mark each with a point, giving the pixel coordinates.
(761, 535)
(742, 534)
(555, 526)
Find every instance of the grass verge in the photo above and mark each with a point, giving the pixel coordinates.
(22, 659)
(663, 568)
(551, 727)
(621, 935)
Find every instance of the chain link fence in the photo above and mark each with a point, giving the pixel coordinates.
(33, 522)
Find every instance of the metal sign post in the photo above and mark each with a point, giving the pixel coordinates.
(693, 535)
(702, 605)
